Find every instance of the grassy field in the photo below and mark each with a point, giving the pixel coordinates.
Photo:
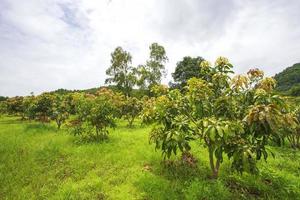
(39, 162)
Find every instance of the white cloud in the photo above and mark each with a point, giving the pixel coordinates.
(51, 44)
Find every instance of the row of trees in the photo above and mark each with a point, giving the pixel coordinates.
(96, 113)
(92, 114)
(125, 76)
(42, 108)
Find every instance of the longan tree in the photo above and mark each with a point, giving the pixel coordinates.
(235, 116)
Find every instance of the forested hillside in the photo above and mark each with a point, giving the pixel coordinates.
(288, 81)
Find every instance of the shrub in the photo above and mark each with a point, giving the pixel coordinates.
(131, 108)
(44, 107)
(60, 110)
(95, 115)
(3, 108)
(15, 105)
(29, 107)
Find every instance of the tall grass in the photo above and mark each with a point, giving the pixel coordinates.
(39, 162)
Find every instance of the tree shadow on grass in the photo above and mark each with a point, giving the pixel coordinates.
(184, 168)
(79, 140)
(13, 121)
(167, 179)
(180, 171)
(40, 127)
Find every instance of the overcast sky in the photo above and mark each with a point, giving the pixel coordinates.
(51, 44)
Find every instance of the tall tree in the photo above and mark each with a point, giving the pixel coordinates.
(185, 69)
(152, 72)
(121, 72)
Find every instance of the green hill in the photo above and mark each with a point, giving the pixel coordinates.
(288, 81)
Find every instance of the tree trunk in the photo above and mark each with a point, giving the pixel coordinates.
(211, 160)
(214, 167)
(216, 173)
(130, 122)
(97, 132)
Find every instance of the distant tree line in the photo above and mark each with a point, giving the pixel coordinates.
(2, 98)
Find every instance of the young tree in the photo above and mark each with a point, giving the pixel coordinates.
(121, 72)
(29, 107)
(95, 115)
(232, 116)
(60, 110)
(44, 107)
(152, 72)
(172, 130)
(292, 128)
(131, 108)
(15, 105)
(3, 108)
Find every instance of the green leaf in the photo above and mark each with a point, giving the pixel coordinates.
(212, 133)
(220, 131)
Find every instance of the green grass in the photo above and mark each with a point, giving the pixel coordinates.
(39, 162)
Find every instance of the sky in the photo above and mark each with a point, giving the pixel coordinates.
(51, 44)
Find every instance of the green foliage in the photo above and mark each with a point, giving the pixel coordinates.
(232, 116)
(61, 91)
(3, 108)
(185, 69)
(70, 101)
(96, 114)
(29, 107)
(288, 80)
(60, 112)
(2, 98)
(147, 114)
(172, 131)
(292, 127)
(131, 109)
(15, 105)
(44, 105)
(158, 90)
(152, 72)
(121, 72)
(294, 90)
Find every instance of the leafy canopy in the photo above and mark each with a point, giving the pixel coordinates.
(95, 114)
(152, 72)
(185, 69)
(121, 72)
(235, 116)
